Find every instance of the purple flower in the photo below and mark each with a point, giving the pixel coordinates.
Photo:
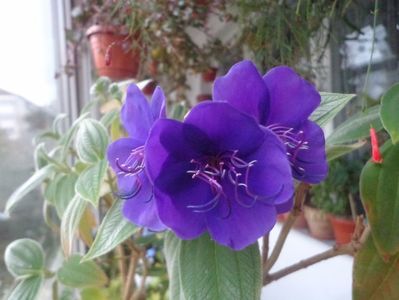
(282, 102)
(218, 171)
(126, 157)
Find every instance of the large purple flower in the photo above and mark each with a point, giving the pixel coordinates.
(282, 102)
(218, 171)
(126, 157)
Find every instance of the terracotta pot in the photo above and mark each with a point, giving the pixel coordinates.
(209, 75)
(112, 53)
(204, 97)
(343, 229)
(150, 88)
(300, 222)
(318, 223)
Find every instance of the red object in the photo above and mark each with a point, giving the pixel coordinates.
(112, 52)
(343, 229)
(376, 154)
(204, 97)
(149, 88)
(209, 75)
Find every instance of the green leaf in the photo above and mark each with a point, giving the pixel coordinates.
(34, 181)
(331, 105)
(113, 230)
(24, 258)
(335, 151)
(70, 222)
(379, 190)
(390, 112)
(373, 277)
(68, 137)
(61, 191)
(77, 274)
(171, 249)
(94, 294)
(356, 127)
(56, 123)
(207, 270)
(109, 117)
(89, 182)
(91, 141)
(27, 289)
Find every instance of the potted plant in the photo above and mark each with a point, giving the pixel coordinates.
(317, 220)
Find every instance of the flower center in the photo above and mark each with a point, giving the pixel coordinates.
(294, 141)
(225, 166)
(132, 167)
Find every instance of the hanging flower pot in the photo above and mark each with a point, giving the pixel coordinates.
(112, 52)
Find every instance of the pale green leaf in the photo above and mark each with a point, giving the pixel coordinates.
(27, 289)
(90, 180)
(77, 274)
(91, 141)
(109, 117)
(335, 151)
(331, 105)
(390, 112)
(24, 258)
(34, 181)
(113, 230)
(70, 222)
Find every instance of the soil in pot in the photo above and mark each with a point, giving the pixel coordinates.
(318, 223)
(343, 229)
(112, 52)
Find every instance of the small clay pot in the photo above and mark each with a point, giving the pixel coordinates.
(112, 52)
(318, 223)
(204, 97)
(343, 229)
(149, 89)
(209, 75)
(300, 222)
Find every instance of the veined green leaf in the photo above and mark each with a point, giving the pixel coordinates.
(24, 258)
(331, 105)
(77, 274)
(379, 190)
(390, 112)
(91, 141)
(335, 151)
(113, 230)
(109, 117)
(67, 139)
(373, 277)
(34, 181)
(89, 182)
(171, 249)
(356, 127)
(70, 222)
(27, 289)
(207, 270)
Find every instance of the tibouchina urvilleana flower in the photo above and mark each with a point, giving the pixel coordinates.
(218, 171)
(282, 102)
(126, 157)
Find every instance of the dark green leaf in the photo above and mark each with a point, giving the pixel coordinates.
(24, 258)
(373, 277)
(77, 274)
(89, 182)
(379, 189)
(356, 127)
(331, 105)
(34, 181)
(27, 289)
(113, 230)
(390, 112)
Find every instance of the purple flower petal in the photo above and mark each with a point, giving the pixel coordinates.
(141, 209)
(244, 89)
(158, 104)
(136, 114)
(292, 98)
(226, 127)
(120, 150)
(310, 165)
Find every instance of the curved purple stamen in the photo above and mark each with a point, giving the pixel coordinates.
(227, 165)
(136, 189)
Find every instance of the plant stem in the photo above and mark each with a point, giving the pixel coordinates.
(359, 237)
(122, 266)
(129, 283)
(265, 249)
(298, 203)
